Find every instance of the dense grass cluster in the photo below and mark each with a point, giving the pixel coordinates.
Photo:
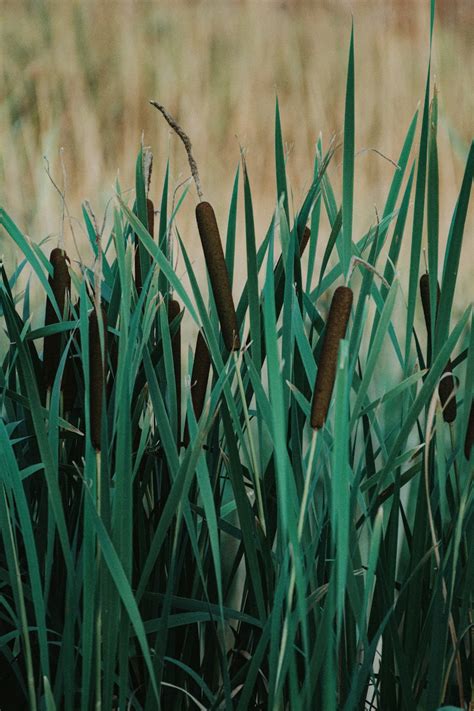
(187, 525)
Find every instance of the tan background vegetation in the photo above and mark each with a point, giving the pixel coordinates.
(79, 75)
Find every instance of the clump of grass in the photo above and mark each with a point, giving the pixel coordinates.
(259, 565)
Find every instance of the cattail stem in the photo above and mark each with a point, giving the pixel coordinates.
(60, 283)
(97, 369)
(216, 266)
(338, 318)
(446, 386)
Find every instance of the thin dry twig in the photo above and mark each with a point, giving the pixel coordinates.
(65, 208)
(187, 144)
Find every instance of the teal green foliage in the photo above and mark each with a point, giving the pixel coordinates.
(260, 564)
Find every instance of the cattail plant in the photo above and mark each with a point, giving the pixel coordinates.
(446, 387)
(174, 311)
(336, 326)
(60, 283)
(97, 375)
(212, 247)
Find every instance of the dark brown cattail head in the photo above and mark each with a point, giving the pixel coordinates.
(425, 301)
(216, 266)
(97, 375)
(304, 240)
(446, 387)
(200, 374)
(469, 441)
(335, 330)
(60, 283)
(199, 378)
(174, 310)
(150, 212)
(447, 394)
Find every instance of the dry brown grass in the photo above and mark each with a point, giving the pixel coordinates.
(79, 75)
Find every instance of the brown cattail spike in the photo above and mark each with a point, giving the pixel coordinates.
(425, 302)
(174, 311)
(97, 373)
(304, 240)
(199, 378)
(60, 283)
(469, 441)
(216, 266)
(446, 387)
(335, 330)
(150, 210)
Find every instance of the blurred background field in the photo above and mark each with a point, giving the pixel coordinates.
(79, 76)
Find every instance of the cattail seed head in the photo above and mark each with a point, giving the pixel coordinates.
(469, 441)
(200, 374)
(216, 266)
(425, 301)
(446, 387)
(60, 283)
(304, 240)
(199, 378)
(97, 375)
(150, 211)
(336, 326)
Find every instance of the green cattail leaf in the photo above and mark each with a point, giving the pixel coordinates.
(453, 253)
(282, 190)
(252, 272)
(348, 163)
(231, 228)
